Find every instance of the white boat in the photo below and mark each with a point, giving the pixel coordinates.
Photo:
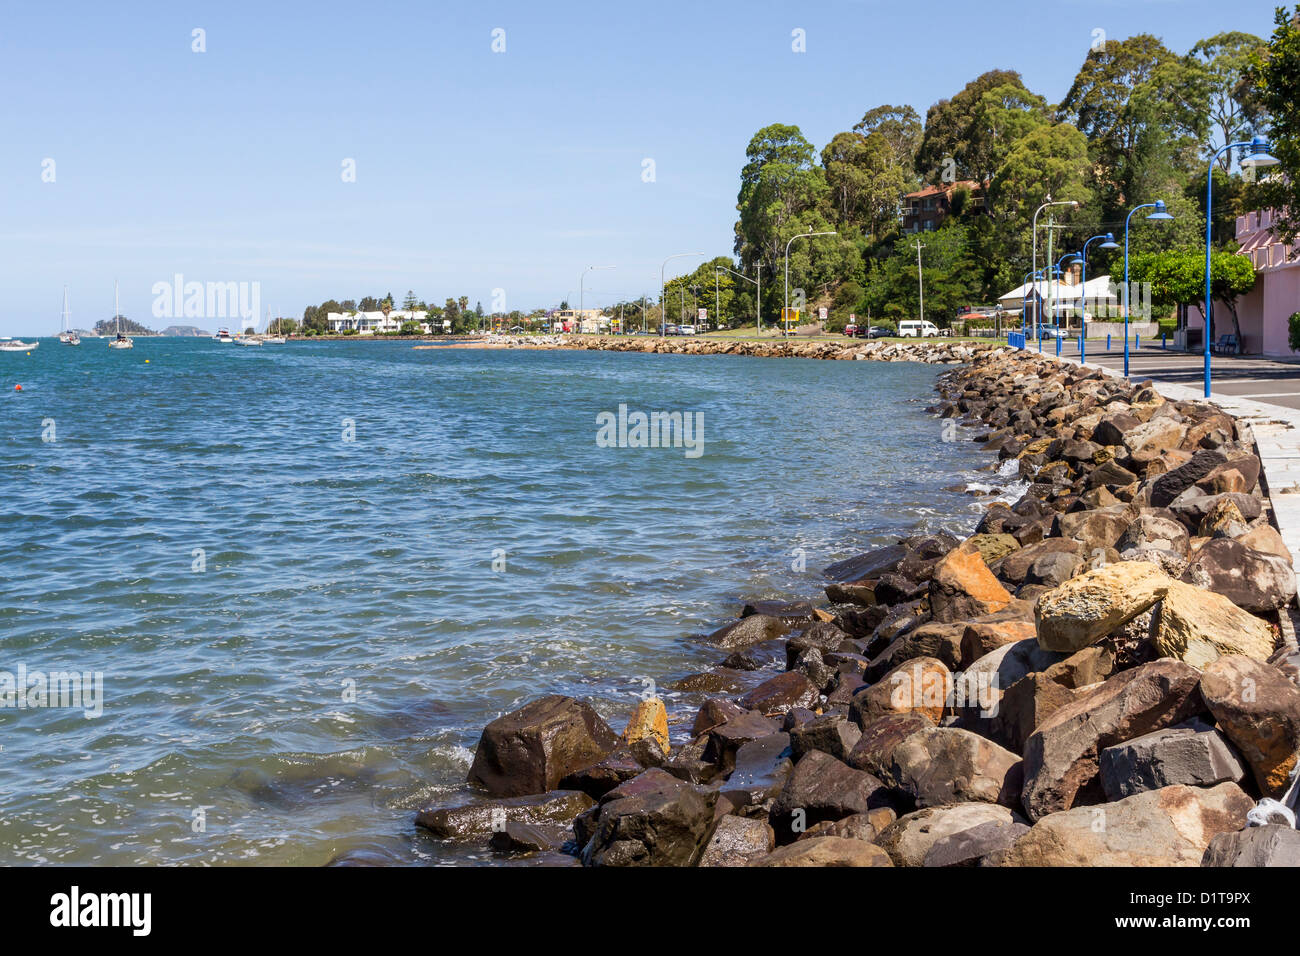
(17, 345)
(67, 336)
(223, 335)
(121, 341)
(246, 340)
(276, 339)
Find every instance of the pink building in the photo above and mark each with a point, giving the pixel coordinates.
(1265, 309)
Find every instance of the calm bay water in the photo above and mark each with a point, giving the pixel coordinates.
(328, 669)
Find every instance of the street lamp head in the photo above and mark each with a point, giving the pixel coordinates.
(1259, 156)
(1160, 212)
(1110, 242)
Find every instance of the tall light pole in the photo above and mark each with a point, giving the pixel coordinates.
(1110, 243)
(662, 308)
(803, 235)
(717, 308)
(1024, 306)
(580, 290)
(920, 285)
(1033, 262)
(1259, 158)
(1159, 214)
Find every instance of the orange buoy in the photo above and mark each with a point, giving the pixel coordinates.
(18, 388)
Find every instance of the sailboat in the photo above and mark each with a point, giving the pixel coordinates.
(276, 339)
(17, 345)
(122, 341)
(67, 336)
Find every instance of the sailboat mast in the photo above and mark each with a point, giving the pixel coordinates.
(117, 312)
(65, 308)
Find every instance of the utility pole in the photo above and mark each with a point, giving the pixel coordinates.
(920, 284)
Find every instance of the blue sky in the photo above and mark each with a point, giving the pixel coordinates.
(475, 170)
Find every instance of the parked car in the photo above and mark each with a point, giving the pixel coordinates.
(685, 330)
(879, 332)
(916, 328)
(671, 330)
(1050, 332)
(850, 330)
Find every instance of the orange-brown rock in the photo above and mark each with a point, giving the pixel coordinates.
(963, 587)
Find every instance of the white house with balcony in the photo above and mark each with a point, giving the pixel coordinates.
(370, 323)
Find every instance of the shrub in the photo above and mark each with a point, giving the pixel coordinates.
(1293, 331)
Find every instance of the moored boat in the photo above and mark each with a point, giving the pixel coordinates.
(121, 341)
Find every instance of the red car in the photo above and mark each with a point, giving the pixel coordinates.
(850, 330)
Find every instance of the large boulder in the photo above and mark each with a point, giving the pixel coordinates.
(963, 587)
(822, 788)
(830, 733)
(1014, 568)
(738, 840)
(1061, 756)
(1095, 530)
(648, 722)
(762, 767)
(1154, 532)
(1258, 709)
(874, 750)
(971, 847)
(944, 765)
(1193, 753)
(1173, 483)
(1254, 580)
(1194, 505)
(993, 547)
(1199, 626)
(869, 565)
(603, 776)
(826, 851)
(1264, 537)
(1271, 845)
(922, 684)
(475, 819)
(983, 636)
(778, 694)
(1087, 608)
(1025, 706)
(729, 736)
(652, 820)
(1167, 827)
(910, 838)
(531, 749)
(753, 629)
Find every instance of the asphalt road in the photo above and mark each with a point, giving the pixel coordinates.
(1240, 376)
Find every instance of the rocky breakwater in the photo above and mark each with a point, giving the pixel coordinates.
(932, 351)
(1096, 675)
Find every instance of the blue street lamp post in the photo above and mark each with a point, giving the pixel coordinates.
(1159, 214)
(1110, 243)
(1024, 305)
(1259, 157)
(1068, 259)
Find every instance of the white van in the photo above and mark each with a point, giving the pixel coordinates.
(917, 329)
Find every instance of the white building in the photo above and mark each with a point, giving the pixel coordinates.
(369, 323)
(1101, 297)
